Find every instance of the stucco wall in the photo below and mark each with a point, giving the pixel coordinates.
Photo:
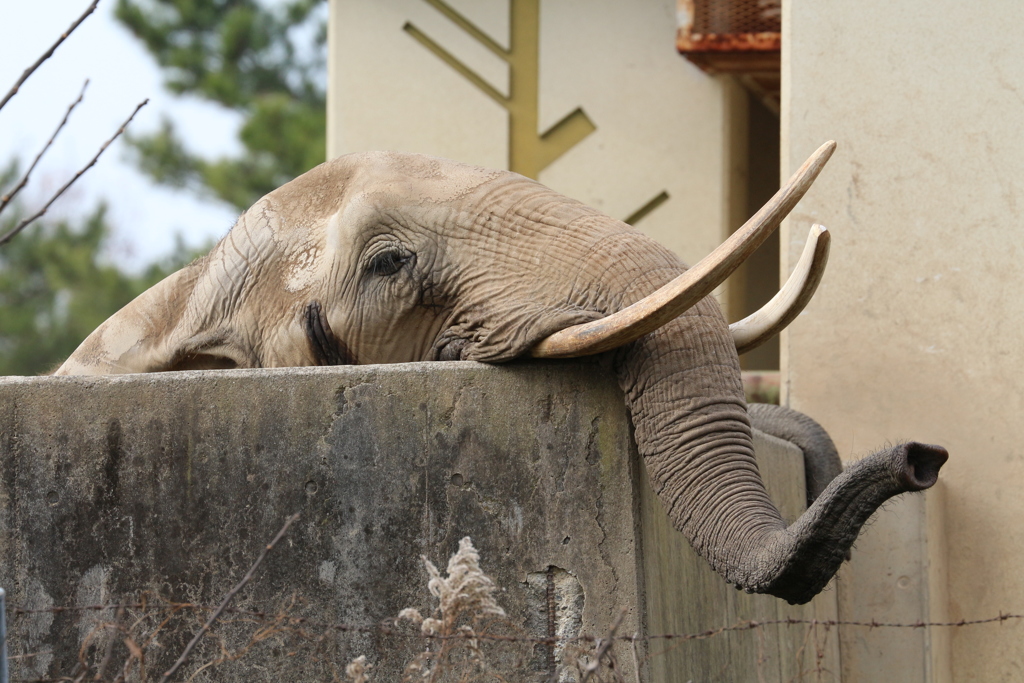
(916, 331)
(660, 124)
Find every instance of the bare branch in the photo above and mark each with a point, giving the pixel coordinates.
(25, 223)
(46, 55)
(227, 600)
(6, 199)
(102, 671)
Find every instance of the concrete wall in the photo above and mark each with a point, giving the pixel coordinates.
(683, 596)
(173, 483)
(916, 330)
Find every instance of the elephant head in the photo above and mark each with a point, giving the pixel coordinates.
(386, 257)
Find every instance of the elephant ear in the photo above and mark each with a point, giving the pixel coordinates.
(150, 334)
(821, 459)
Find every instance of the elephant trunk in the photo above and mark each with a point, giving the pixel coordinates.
(682, 385)
(816, 544)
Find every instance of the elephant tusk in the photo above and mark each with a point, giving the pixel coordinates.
(786, 305)
(673, 299)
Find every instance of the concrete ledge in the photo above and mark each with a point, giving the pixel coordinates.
(685, 596)
(899, 575)
(173, 483)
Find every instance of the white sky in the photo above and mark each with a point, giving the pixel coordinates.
(145, 216)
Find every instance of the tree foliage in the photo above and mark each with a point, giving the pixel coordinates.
(56, 288)
(264, 61)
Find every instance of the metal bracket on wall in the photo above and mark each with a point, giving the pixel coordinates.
(742, 38)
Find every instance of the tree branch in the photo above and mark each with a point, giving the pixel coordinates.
(6, 199)
(46, 55)
(227, 600)
(25, 223)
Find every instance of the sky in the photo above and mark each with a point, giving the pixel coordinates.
(145, 216)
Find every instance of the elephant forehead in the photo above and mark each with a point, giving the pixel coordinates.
(382, 210)
(304, 268)
(394, 178)
(271, 240)
(288, 230)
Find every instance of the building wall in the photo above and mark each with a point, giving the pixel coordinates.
(917, 329)
(652, 123)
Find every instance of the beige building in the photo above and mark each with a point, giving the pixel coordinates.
(590, 97)
(916, 329)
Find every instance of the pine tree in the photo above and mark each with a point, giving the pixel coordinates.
(267, 63)
(56, 288)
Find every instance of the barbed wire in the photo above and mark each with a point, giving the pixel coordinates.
(439, 643)
(284, 621)
(384, 629)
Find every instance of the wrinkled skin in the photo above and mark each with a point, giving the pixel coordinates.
(385, 258)
(821, 459)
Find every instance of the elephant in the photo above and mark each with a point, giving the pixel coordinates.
(390, 257)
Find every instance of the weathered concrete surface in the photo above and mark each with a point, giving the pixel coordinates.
(684, 596)
(898, 575)
(172, 483)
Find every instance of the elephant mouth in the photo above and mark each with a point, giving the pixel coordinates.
(449, 347)
(327, 348)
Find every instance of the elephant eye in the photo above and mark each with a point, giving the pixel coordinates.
(388, 262)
